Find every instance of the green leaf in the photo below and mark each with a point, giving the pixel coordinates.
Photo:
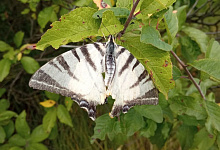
(149, 130)
(209, 66)
(118, 12)
(125, 4)
(152, 6)
(188, 120)
(110, 24)
(4, 46)
(218, 140)
(38, 134)
(153, 112)
(52, 96)
(16, 148)
(104, 126)
(7, 115)
(133, 122)
(64, 116)
(53, 133)
(36, 146)
(17, 140)
(197, 35)
(9, 129)
(150, 35)
(68, 103)
(2, 91)
(181, 15)
(185, 135)
(5, 147)
(213, 49)
(2, 134)
(171, 24)
(157, 62)
(22, 126)
(18, 38)
(167, 113)
(213, 120)
(72, 27)
(4, 105)
(176, 73)
(203, 140)
(49, 119)
(46, 15)
(189, 48)
(29, 64)
(187, 105)
(5, 65)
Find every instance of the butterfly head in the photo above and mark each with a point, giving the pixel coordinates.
(111, 45)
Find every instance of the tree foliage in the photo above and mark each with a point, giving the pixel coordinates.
(174, 40)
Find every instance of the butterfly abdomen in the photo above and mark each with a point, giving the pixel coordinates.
(109, 69)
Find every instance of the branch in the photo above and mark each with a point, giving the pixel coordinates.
(194, 5)
(129, 18)
(189, 74)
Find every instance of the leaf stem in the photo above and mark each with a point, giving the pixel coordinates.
(189, 74)
(129, 18)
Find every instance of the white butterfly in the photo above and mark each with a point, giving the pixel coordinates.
(78, 74)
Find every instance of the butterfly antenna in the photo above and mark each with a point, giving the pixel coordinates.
(104, 26)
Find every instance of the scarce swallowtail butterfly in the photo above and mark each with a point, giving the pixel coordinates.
(78, 74)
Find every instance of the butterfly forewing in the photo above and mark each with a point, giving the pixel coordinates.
(76, 74)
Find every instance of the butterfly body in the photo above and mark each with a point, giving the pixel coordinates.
(78, 74)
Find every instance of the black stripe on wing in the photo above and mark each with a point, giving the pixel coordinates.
(86, 54)
(129, 60)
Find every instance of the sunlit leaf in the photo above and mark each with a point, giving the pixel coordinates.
(64, 116)
(18, 38)
(4, 104)
(29, 64)
(36, 146)
(17, 140)
(49, 119)
(38, 134)
(22, 126)
(2, 135)
(5, 65)
(4, 46)
(213, 49)
(118, 12)
(48, 103)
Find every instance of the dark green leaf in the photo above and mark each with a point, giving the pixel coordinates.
(53, 133)
(36, 146)
(64, 116)
(157, 62)
(218, 140)
(72, 27)
(171, 24)
(4, 105)
(207, 65)
(189, 120)
(38, 134)
(7, 115)
(189, 49)
(213, 49)
(46, 15)
(4, 46)
(49, 119)
(17, 140)
(153, 112)
(197, 35)
(68, 103)
(5, 147)
(181, 15)
(2, 135)
(9, 129)
(118, 12)
(152, 6)
(187, 105)
(104, 126)
(5, 65)
(21, 125)
(18, 38)
(52, 96)
(16, 148)
(185, 135)
(203, 140)
(176, 73)
(2, 91)
(213, 120)
(150, 35)
(29, 64)
(150, 129)
(133, 122)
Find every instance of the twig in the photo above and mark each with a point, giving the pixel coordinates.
(199, 8)
(189, 74)
(194, 5)
(129, 18)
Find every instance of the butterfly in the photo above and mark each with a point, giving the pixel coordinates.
(79, 74)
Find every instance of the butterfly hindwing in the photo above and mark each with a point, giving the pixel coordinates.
(76, 74)
(132, 85)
